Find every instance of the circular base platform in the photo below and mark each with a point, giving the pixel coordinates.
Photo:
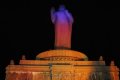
(62, 54)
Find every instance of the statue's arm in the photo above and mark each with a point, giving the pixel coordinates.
(69, 15)
(52, 15)
(70, 18)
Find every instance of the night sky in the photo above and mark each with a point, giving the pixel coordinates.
(26, 28)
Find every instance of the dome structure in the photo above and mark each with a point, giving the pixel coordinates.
(62, 54)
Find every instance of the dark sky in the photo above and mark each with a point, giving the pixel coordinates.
(26, 28)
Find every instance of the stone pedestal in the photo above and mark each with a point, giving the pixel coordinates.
(48, 67)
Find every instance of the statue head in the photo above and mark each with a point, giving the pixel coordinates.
(62, 7)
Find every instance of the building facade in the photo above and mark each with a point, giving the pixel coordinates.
(61, 67)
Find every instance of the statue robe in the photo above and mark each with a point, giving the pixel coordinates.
(63, 28)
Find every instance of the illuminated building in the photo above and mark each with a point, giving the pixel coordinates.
(62, 63)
